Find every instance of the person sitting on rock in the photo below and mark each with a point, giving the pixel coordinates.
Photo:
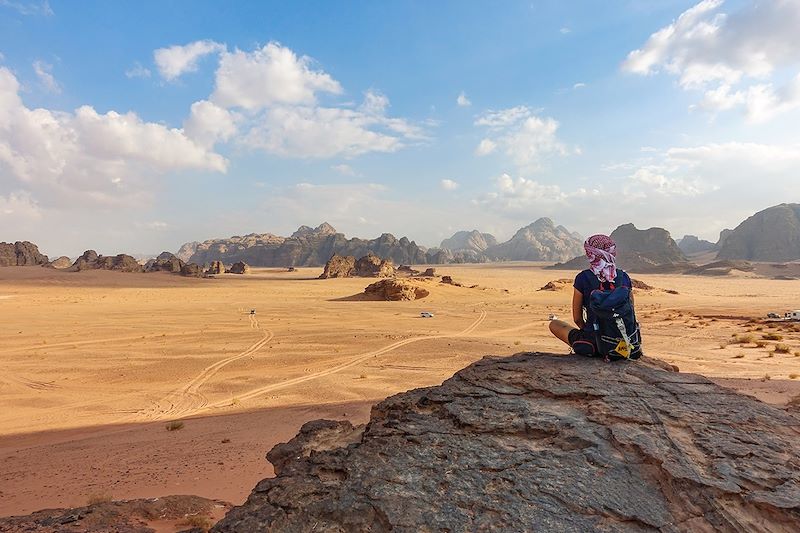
(601, 251)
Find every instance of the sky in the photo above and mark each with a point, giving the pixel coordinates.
(137, 126)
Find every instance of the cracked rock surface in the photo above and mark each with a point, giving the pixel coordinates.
(543, 443)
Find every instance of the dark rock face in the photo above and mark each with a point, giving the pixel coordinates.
(691, 244)
(192, 270)
(21, 253)
(540, 241)
(541, 443)
(89, 260)
(165, 262)
(649, 250)
(240, 267)
(770, 235)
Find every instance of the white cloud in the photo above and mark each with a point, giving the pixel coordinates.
(724, 53)
(344, 170)
(448, 185)
(524, 137)
(462, 100)
(209, 124)
(43, 72)
(19, 205)
(156, 225)
(29, 8)
(85, 158)
(655, 179)
(267, 76)
(579, 85)
(174, 61)
(137, 71)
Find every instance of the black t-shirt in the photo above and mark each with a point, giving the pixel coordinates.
(586, 281)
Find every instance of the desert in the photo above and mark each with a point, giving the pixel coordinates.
(98, 363)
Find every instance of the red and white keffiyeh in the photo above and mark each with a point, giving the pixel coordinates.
(601, 250)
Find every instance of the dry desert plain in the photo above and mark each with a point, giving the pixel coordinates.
(96, 364)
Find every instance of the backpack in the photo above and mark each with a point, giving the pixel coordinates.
(615, 327)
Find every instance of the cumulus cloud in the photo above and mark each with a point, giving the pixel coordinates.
(87, 157)
(732, 57)
(462, 100)
(209, 124)
(44, 73)
(524, 137)
(137, 71)
(174, 61)
(448, 185)
(269, 75)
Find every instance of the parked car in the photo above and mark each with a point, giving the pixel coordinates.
(426, 314)
(773, 315)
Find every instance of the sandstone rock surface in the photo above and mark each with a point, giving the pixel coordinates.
(89, 260)
(396, 290)
(165, 262)
(541, 443)
(192, 270)
(21, 253)
(339, 266)
(372, 266)
(60, 262)
(769, 235)
(540, 241)
(240, 267)
(216, 267)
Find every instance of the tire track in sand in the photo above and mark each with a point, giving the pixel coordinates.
(343, 366)
(188, 399)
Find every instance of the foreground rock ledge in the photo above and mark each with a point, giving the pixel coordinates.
(544, 443)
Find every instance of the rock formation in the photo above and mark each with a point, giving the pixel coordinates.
(770, 235)
(539, 241)
(239, 267)
(89, 260)
(192, 270)
(21, 253)
(372, 266)
(165, 262)
(187, 250)
(469, 241)
(216, 267)
(339, 266)
(396, 290)
(540, 443)
(649, 250)
(61, 262)
(691, 244)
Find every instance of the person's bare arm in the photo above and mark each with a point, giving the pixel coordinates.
(577, 308)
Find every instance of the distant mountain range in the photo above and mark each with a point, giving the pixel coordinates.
(770, 235)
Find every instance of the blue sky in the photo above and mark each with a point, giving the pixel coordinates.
(136, 127)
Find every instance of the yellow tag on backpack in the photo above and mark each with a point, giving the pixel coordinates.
(623, 349)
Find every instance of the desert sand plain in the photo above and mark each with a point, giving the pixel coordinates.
(96, 364)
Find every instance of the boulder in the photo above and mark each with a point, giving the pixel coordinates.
(372, 266)
(429, 273)
(87, 261)
(448, 280)
(165, 262)
(192, 270)
(540, 442)
(339, 266)
(21, 253)
(240, 267)
(216, 267)
(557, 284)
(396, 290)
(61, 262)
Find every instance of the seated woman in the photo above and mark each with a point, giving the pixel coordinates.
(601, 251)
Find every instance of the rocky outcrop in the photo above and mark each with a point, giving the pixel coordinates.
(770, 235)
(165, 262)
(691, 244)
(539, 241)
(541, 443)
(60, 263)
(187, 250)
(21, 253)
(396, 290)
(89, 260)
(649, 250)
(372, 266)
(469, 241)
(192, 270)
(215, 268)
(239, 267)
(339, 266)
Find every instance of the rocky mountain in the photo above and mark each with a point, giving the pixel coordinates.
(540, 241)
(770, 235)
(469, 241)
(21, 253)
(649, 250)
(306, 247)
(541, 443)
(187, 250)
(691, 244)
(89, 260)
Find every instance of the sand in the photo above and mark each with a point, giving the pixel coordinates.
(96, 364)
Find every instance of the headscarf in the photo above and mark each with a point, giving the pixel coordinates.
(601, 250)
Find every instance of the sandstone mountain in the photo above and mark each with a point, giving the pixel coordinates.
(541, 443)
(21, 253)
(347, 266)
(187, 250)
(469, 241)
(306, 247)
(89, 260)
(770, 235)
(540, 241)
(650, 250)
(691, 244)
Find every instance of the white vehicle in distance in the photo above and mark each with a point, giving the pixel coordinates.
(426, 314)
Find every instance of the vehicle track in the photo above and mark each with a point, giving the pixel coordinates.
(188, 398)
(343, 366)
